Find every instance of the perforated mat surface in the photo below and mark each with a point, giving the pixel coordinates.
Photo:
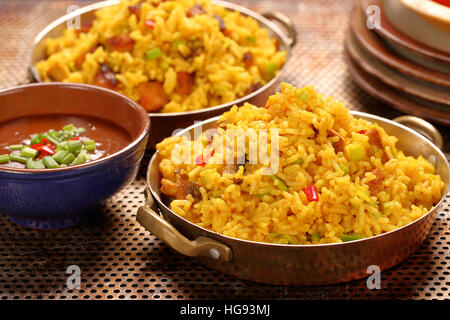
(120, 260)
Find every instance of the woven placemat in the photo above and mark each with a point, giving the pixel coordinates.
(118, 259)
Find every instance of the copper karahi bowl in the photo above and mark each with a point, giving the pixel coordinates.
(300, 264)
(163, 124)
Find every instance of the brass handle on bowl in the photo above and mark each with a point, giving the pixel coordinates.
(286, 22)
(423, 127)
(200, 247)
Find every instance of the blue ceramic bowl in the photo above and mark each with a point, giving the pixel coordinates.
(64, 197)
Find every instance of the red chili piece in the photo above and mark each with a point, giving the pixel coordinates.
(202, 162)
(37, 146)
(149, 24)
(48, 149)
(311, 193)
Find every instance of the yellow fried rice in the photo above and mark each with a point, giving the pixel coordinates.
(365, 185)
(226, 53)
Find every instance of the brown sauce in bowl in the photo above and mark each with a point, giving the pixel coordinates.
(110, 137)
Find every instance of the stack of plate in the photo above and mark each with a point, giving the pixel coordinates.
(399, 52)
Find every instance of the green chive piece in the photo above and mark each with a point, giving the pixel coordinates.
(274, 235)
(303, 94)
(219, 89)
(83, 153)
(291, 239)
(281, 184)
(29, 164)
(345, 169)
(4, 158)
(49, 162)
(251, 39)
(74, 145)
(72, 67)
(315, 237)
(298, 161)
(78, 160)
(39, 164)
(178, 43)
(356, 151)
(54, 134)
(68, 127)
(52, 138)
(35, 138)
(62, 146)
(89, 145)
(28, 152)
(15, 157)
(68, 158)
(270, 68)
(59, 156)
(67, 135)
(15, 147)
(80, 130)
(153, 54)
(352, 237)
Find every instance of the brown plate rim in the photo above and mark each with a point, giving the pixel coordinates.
(369, 84)
(393, 78)
(371, 42)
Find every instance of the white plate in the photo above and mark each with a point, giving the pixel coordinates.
(416, 27)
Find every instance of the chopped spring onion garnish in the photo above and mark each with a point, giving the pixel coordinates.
(52, 138)
(15, 147)
(80, 130)
(281, 184)
(4, 158)
(74, 145)
(59, 156)
(153, 54)
(52, 149)
(15, 157)
(270, 68)
(356, 151)
(298, 161)
(352, 237)
(303, 94)
(49, 162)
(29, 164)
(89, 145)
(28, 152)
(178, 43)
(39, 164)
(68, 127)
(251, 39)
(315, 237)
(345, 169)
